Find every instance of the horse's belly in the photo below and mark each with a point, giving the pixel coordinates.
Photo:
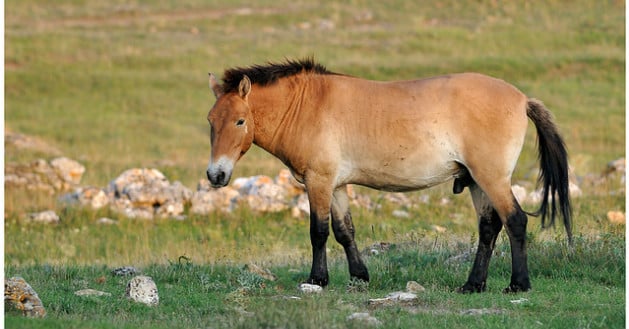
(401, 177)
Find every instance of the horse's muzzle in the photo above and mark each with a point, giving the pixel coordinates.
(220, 172)
(218, 179)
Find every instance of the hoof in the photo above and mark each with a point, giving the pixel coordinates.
(469, 288)
(317, 281)
(513, 288)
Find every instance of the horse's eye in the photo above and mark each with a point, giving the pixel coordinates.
(240, 122)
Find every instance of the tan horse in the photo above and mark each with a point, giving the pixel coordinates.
(332, 130)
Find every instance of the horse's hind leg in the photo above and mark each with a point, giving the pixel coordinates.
(513, 218)
(489, 225)
(344, 233)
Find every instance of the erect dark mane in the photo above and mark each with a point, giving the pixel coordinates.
(270, 73)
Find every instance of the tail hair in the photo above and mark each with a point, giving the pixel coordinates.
(553, 175)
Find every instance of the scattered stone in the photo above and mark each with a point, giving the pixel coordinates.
(618, 165)
(414, 287)
(262, 194)
(19, 295)
(308, 288)
(364, 318)
(377, 248)
(146, 193)
(106, 221)
(439, 229)
(400, 214)
(143, 289)
(482, 311)
(46, 217)
(616, 217)
(575, 190)
(69, 170)
(519, 301)
(124, 271)
(22, 141)
(264, 273)
(61, 174)
(394, 298)
(287, 297)
(91, 292)
(208, 199)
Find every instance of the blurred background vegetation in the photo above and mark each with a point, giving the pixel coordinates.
(122, 84)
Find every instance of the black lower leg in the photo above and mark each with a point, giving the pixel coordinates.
(489, 227)
(319, 231)
(516, 228)
(344, 234)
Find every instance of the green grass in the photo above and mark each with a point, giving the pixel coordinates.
(571, 290)
(123, 84)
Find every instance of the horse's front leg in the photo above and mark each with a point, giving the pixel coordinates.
(344, 233)
(319, 197)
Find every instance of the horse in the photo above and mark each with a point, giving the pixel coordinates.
(333, 129)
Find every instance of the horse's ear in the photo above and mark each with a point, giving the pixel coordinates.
(215, 86)
(244, 87)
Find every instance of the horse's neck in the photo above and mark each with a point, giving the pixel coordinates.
(273, 108)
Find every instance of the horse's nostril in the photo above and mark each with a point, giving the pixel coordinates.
(220, 177)
(209, 177)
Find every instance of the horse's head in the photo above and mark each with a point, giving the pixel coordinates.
(231, 124)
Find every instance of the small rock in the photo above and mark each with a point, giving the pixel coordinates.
(207, 199)
(574, 190)
(18, 294)
(364, 318)
(400, 214)
(124, 271)
(377, 248)
(482, 311)
(616, 217)
(264, 273)
(618, 165)
(308, 288)
(47, 217)
(519, 301)
(106, 221)
(439, 229)
(68, 169)
(394, 298)
(91, 292)
(143, 289)
(414, 287)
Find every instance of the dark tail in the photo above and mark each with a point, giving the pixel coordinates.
(553, 159)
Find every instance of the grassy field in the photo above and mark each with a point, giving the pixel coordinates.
(122, 84)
